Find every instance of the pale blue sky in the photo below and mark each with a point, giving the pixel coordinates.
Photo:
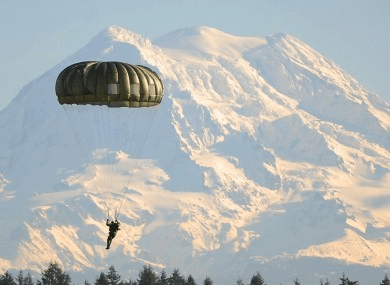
(37, 34)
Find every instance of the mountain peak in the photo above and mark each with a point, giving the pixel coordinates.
(121, 34)
(115, 43)
(206, 40)
(116, 33)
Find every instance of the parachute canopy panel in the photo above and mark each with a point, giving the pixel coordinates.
(113, 84)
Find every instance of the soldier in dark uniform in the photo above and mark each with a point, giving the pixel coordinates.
(113, 229)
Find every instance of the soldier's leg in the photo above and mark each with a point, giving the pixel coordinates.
(109, 240)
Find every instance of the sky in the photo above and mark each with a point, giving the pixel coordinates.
(35, 35)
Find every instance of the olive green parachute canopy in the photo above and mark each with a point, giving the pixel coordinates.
(113, 84)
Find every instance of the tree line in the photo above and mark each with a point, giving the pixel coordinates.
(55, 275)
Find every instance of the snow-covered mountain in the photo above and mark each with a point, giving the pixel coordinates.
(263, 156)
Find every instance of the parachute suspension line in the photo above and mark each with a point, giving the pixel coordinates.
(110, 148)
(70, 111)
(74, 116)
(82, 120)
(85, 113)
(118, 121)
(126, 141)
(130, 129)
(115, 140)
(96, 117)
(133, 156)
(138, 148)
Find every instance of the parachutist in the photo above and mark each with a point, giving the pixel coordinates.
(113, 229)
(99, 97)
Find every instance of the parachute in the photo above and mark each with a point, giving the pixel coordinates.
(114, 84)
(111, 108)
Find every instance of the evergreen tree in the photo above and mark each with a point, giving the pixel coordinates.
(239, 281)
(147, 276)
(162, 280)
(28, 280)
(385, 281)
(20, 278)
(296, 282)
(7, 279)
(190, 280)
(344, 280)
(86, 282)
(101, 279)
(54, 275)
(257, 279)
(326, 282)
(207, 281)
(176, 278)
(113, 277)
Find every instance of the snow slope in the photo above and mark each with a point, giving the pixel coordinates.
(263, 155)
